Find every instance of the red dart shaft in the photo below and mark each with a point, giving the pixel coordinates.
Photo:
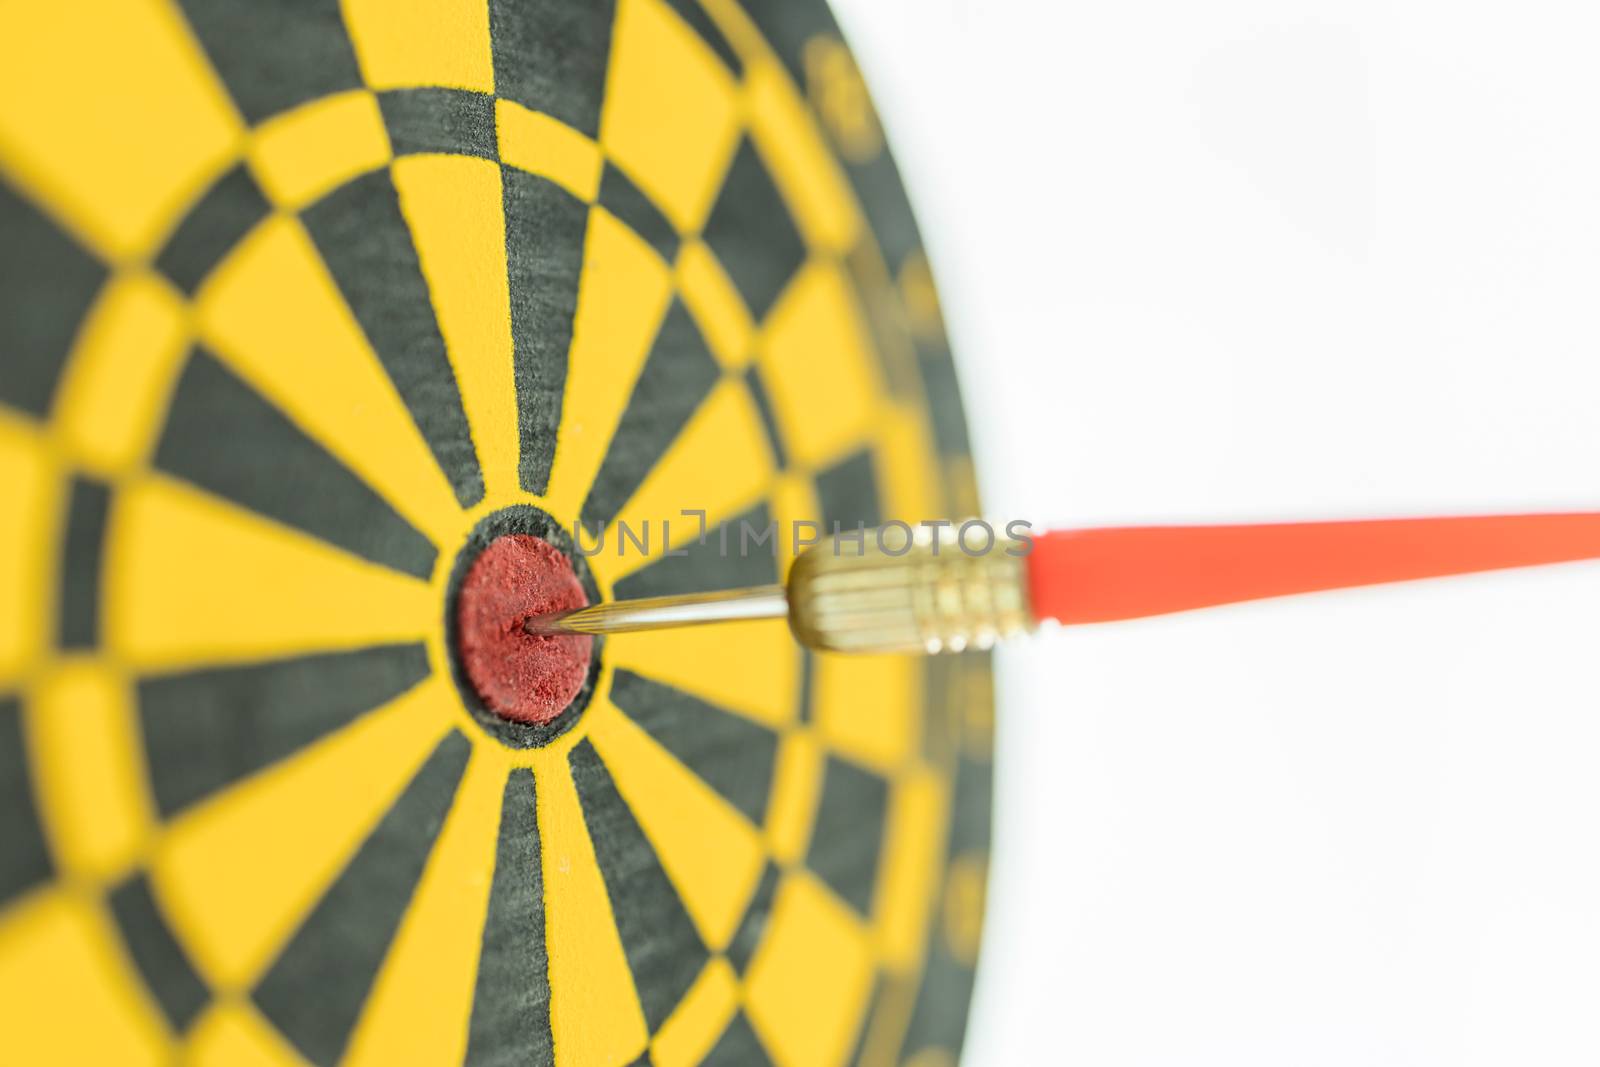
(1081, 576)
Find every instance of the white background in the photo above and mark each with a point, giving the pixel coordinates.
(1247, 260)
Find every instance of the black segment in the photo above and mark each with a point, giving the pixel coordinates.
(545, 233)
(624, 199)
(939, 1019)
(364, 239)
(733, 555)
(677, 376)
(848, 835)
(227, 211)
(510, 1021)
(730, 753)
(753, 925)
(449, 121)
(805, 710)
(691, 12)
(758, 392)
(274, 56)
(787, 27)
(664, 950)
(224, 437)
(848, 493)
(156, 952)
(207, 729)
(877, 182)
(24, 856)
(550, 56)
(752, 234)
(944, 398)
(969, 826)
(47, 283)
(82, 552)
(315, 989)
(737, 1047)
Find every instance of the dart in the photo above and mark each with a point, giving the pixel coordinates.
(932, 595)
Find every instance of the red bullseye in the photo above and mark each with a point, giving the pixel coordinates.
(521, 677)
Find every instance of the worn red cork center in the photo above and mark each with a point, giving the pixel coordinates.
(521, 677)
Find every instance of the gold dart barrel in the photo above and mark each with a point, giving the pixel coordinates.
(867, 594)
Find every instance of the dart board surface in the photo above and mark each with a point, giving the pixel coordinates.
(303, 304)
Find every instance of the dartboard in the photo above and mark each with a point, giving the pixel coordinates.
(304, 308)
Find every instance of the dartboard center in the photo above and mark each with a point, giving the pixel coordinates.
(524, 689)
(520, 676)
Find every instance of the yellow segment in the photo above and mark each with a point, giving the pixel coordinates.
(802, 166)
(977, 712)
(453, 204)
(884, 1030)
(719, 463)
(89, 769)
(794, 500)
(121, 372)
(756, 672)
(68, 997)
(181, 563)
(304, 154)
(671, 116)
(402, 43)
(921, 297)
(594, 1012)
(233, 1034)
(114, 119)
(743, 34)
(910, 870)
(819, 366)
(868, 707)
(961, 487)
(879, 301)
(717, 307)
(808, 983)
(239, 872)
(274, 314)
(27, 529)
(710, 852)
(699, 1019)
(796, 785)
(965, 889)
(621, 301)
(837, 92)
(909, 482)
(423, 995)
(541, 145)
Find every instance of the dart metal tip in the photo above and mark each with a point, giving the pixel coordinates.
(665, 612)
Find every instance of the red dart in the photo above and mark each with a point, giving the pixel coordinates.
(879, 594)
